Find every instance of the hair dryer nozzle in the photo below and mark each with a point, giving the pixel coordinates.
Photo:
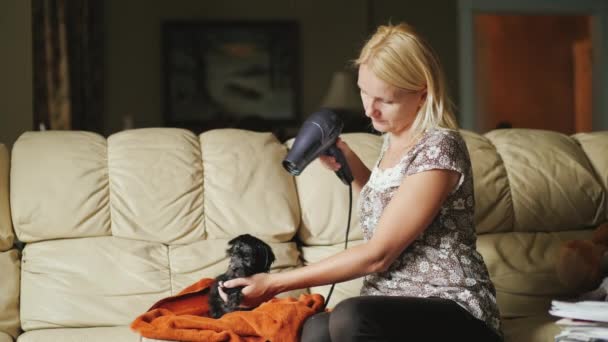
(291, 167)
(316, 136)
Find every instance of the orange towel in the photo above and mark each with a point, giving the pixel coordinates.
(183, 317)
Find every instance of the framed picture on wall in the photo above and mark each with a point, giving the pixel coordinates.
(230, 74)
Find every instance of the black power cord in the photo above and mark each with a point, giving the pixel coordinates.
(350, 209)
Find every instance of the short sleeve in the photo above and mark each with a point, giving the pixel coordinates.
(443, 150)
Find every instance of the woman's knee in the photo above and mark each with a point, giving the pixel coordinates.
(346, 320)
(348, 309)
(316, 328)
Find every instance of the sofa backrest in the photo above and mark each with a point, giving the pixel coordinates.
(160, 185)
(535, 181)
(9, 257)
(534, 189)
(113, 225)
(323, 197)
(595, 147)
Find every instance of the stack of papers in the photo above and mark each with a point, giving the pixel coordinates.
(585, 321)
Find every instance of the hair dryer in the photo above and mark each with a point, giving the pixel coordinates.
(317, 136)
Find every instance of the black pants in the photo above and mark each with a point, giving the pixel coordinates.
(387, 318)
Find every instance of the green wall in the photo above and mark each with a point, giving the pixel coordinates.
(435, 20)
(16, 113)
(331, 33)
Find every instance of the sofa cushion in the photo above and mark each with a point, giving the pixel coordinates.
(156, 185)
(108, 281)
(540, 328)
(99, 334)
(246, 189)
(207, 259)
(342, 290)
(493, 203)
(9, 259)
(9, 292)
(46, 169)
(522, 268)
(89, 282)
(595, 146)
(553, 185)
(325, 212)
(6, 226)
(4, 337)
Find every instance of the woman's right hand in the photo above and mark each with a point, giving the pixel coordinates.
(330, 162)
(256, 289)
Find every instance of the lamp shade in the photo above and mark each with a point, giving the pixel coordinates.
(342, 93)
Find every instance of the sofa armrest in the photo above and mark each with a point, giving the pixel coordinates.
(6, 227)
(9, 293)
(5, 337)
(10, 263)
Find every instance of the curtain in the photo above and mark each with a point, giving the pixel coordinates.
(68, 64)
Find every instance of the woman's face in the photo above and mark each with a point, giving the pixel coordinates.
(391, 109)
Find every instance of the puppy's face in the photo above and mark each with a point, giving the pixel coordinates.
(250, 254)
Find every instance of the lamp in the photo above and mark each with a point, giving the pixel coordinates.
(343, 98)
(342, 94)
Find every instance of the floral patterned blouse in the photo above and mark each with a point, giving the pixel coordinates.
(443, 261)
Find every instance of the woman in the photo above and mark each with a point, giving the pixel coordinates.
(424, 279)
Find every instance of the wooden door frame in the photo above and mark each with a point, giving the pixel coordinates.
(597, 9)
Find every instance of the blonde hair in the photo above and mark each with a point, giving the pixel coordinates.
(399, 56)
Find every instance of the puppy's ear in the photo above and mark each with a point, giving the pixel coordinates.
(232, 245)
(271, 258)
(268, 256)
(234, 240)
(243, 238)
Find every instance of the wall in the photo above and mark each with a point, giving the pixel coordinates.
(16, 112)
(331, 33)
(435, 20)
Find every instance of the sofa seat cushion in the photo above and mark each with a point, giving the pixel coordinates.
(90, 282)
(522, 268)
(539, 328)
(108, 281)
(99, 334)
(207, 259)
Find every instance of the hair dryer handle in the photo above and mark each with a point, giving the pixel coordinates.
(344, 173)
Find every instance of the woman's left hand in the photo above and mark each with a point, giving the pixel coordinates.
(257, 289)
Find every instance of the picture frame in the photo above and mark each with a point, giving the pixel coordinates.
(230, 74)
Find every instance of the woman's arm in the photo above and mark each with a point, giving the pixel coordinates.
(410, 211)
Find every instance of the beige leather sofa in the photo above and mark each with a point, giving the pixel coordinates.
(112, 225)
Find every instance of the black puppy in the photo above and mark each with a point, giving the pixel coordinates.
(248, 256)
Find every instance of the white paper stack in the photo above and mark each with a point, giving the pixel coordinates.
(585, 321)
